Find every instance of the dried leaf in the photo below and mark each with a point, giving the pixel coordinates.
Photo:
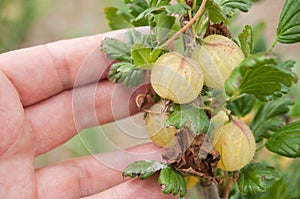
(183, 141)
(194, 155)
(218, 29)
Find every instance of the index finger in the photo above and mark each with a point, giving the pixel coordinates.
(43, 71)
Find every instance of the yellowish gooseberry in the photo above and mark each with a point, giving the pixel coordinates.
(217, 57)
(235, 143)
(177, 78)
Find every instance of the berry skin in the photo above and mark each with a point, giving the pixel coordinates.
(217, 57)
(176, 78)
(155, 126)
(236, 145)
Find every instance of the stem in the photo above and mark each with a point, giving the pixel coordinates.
(207, 108)
(184, 28)
(259, 146)
(227, 187)
(209, 191)
(234, 97)
(203, 24)
(273, 45)
(148, 81)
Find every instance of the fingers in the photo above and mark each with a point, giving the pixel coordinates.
(145, 189)
(40, 72)
(16, 157)
(92, 174)
(59, 118)
(43, 71)
(12, 118)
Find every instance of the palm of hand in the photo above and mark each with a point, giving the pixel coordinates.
(36, 116)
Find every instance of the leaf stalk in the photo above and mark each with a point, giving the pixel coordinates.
(273, 45)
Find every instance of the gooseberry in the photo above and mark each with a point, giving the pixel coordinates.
(159, 133)
(217, 57)
(176, 78)
(191, 181)
(235, 143)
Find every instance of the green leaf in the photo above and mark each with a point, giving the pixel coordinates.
(156, 53)
(286, 66)
(259, 41)
(292, 179)
(150, 11)
(143, 169)
(286, 141)
(134, 78)
(133, 56)
(140, 22)
(117, 70)
(286, 187)
(278, 190)
(127, 73)
(164, 23)
(215, 13)
(141, 55)
(245, 39)
(133, 37)
(268, 118)
(172, 182)
(168, 9)
(262, 58)
(154, 3)
(288, 30)
(232, 83)
(136, 7)
(117, 19)
(242, 106)
(115, 49)
(231, 7)
(265, 80)
(253, 177)
(181, 1)
(177, 8)
(263, 75)
(188, 115)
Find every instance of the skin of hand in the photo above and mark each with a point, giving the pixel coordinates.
(36, 86)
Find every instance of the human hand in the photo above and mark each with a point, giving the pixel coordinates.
(37, 114)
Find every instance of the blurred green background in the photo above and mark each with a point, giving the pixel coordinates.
(25, 23)
(30, 22)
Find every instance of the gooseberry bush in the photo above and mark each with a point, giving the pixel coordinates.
(213, 102)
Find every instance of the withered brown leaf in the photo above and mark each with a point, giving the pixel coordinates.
(217, 29)
(194, 154)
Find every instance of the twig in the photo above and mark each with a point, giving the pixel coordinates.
(209, 191)
(184, 28)
(228, 186)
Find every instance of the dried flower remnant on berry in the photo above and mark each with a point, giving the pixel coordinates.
(194, 155)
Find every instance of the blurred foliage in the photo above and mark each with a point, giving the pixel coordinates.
(16, 16)
(286, 187)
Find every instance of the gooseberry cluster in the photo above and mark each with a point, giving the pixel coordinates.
(180, 79)
(205, 86)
